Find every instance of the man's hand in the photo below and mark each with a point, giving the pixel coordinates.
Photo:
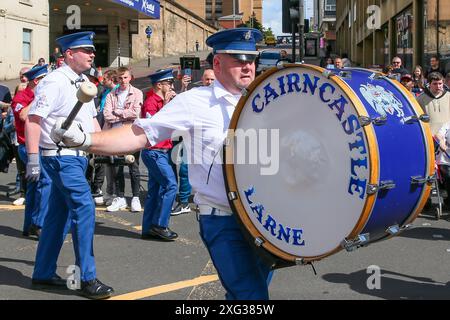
(74, 137)
(169, 96)
(185, 82)
(33, 170)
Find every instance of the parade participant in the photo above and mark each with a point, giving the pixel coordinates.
(162, 182)
(207, 111)
(37, 192)
(55, 96)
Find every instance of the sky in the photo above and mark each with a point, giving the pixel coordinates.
(272, 14)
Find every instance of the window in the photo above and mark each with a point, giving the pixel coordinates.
(26, 45)
(330, 5)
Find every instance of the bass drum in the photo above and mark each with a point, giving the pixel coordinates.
(317, 161)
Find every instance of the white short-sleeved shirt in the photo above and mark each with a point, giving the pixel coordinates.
(201, 116)
(55, 97)
(441, 157)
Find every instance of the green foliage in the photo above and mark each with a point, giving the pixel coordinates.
(257, 25)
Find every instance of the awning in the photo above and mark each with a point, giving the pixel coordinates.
(150, 8)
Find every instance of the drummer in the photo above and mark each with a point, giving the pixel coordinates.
(208, 110)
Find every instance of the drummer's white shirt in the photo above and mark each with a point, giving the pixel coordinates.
(55, 97)
(205, 111)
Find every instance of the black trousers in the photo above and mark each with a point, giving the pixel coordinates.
(445, 173)
(135, 177)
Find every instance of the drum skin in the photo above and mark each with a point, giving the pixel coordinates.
(371, 155)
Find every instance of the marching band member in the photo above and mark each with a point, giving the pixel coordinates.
(206, 110)
(70, 195)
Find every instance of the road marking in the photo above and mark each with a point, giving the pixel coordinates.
(11, 207)
(166, 288)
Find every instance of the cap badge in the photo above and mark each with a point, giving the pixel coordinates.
(248, 35)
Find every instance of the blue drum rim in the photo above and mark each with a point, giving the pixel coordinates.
(230, 177)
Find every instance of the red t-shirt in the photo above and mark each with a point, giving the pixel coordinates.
(152, 104)
(21, 100)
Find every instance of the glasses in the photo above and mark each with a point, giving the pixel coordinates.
(395, 62)
(168, 82)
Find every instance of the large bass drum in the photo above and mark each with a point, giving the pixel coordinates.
(318, 161)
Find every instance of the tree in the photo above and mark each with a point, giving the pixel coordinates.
(257, 25)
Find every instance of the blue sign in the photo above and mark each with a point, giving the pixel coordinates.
(148, 31)
(150, 8)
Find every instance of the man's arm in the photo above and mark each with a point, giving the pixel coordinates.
(23, 114)
(32, 133)
(122, 140)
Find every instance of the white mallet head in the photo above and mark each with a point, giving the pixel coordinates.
(86, 92)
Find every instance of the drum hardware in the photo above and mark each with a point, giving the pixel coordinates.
(423, 117)
(377, 76)
(384, 185)
(378, 121)
(423, 180)
(244, 92)
(327, 74)
(352, 245)
(280, 65)
(345, 74)
(232, 195)
(396, 229)
(259, 242)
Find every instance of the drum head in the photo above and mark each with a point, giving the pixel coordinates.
(298, 163)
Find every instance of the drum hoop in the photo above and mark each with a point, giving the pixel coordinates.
(429, 146)
(230, 177)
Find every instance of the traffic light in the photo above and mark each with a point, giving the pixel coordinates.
(291, 15)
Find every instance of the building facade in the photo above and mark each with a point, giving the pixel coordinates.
(372, 32)
(24, 34)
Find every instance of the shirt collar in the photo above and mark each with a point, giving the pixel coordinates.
(152, 93)
(71, 74)
(221, 92)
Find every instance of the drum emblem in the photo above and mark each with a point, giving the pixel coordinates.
(381, 100)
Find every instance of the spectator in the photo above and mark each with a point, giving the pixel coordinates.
(435, 101)
(208, 77)
(435, 66)
(346, 63)
(407, 81)
(447, 81)
(209, 59)
(418, 80)
(22, 78)
(54, 57)
(197, 45)
(329, 63)
(397, 70)
(109, 84)
(284, 56)
(40, 63)
(123, 106)
(338, 64)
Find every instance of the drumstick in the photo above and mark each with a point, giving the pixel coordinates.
(85, 93)
(127, 159)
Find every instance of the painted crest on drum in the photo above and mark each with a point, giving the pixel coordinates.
(381, 100)
(324, 167)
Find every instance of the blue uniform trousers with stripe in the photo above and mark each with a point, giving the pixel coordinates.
(36, 198)
(70, 199)
(241, 271)
(162, 189)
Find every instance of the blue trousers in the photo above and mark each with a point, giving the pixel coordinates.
(185, 188)
(36, 198)
(242, 273)
(70, 199)
(162, 189)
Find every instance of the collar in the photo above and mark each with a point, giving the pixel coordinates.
(69, 73)
(221, 92)
(152, 93)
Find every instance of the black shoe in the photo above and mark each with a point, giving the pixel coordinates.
(34, 230)
(55, 282)
(94, 289)
(181, 208)
(162, 233)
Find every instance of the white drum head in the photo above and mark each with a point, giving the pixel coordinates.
(310, 202)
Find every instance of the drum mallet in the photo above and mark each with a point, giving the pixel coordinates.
(85, 94)
(113, 160)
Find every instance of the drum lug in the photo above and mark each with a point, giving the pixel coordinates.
(424, 118)
(232, 196)
(300, 261)
(327, 74)
(244, 92)
(396, 229)
(352, 245)
(364, 121)
(377, 76)
(384, 185)
(259, 242)
(422, 180)
(345, 74)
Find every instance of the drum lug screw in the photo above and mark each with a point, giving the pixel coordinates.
(379, 121)
(232, 195)
(372, 189)
(300, 261)
(259, 242)
(345, 74)
(393, 230)
(364, 121)
(422, 180)
(327, 74)
(244, 92)
(386, 185)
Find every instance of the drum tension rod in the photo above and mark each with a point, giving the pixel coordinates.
(423, 180)
(384, 185)
(378, 121)
(396, 229)
(412, 119)
(301, 262)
